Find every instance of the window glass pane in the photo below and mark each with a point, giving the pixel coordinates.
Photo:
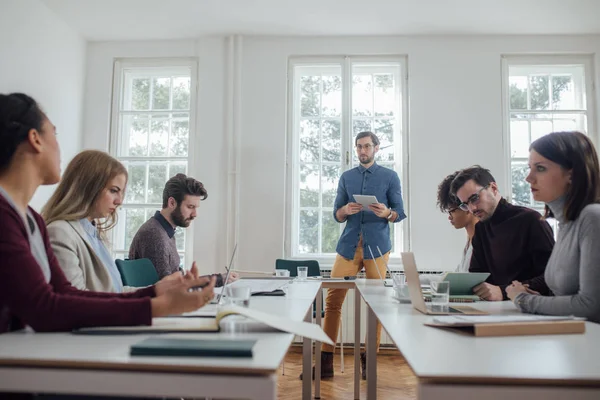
(540, 96)
(136, 182)
(332, 96)
(519, 136)
(309, 231)
(563, 93)
(329, 183)
(180, 133)
(384, 129)
(134, 136)
(569, 122)
(309, 185)
(177, 168)
(362, 95)
(180, 238)
(521, 190)
(157, 177)
(309, 140)
(310, 98)
(518, 92)
(140, 94)
(361, 125)
(331, 136)
(159, 136)
(540, 126)
(181, 93)
(161, 93)
(385, 95)
(330, 232)
(134, 218)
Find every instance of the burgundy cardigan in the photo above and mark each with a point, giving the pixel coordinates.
(26, 298)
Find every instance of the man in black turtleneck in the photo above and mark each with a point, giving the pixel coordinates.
(510, 242)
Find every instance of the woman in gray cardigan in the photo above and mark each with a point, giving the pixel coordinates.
(565, 174)
(80, 213)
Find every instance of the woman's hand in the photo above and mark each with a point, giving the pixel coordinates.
(180, 299)
(176, 279)
(513, 290)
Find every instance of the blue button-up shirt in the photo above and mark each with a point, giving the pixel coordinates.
(377, 181)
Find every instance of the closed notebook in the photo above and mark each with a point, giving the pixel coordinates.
(510, 325)
(174, 347)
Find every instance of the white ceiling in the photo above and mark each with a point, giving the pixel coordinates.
(174, 19)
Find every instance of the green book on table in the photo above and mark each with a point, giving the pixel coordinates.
(175, 347)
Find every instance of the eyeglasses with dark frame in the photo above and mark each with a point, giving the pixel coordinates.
(473, 199)
(367, 147)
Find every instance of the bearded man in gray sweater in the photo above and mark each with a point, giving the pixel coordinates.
(155, 239)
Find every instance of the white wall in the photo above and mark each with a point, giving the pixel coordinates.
(43, 57)
(455, 120)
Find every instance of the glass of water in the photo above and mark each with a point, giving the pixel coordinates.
(440, 296)
(238, 295)
(302, 274)
(400, 286)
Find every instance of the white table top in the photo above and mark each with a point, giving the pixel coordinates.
(444, 356)
(112, 351)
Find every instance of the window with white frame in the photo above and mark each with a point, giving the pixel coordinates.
(543, 94)
(330, 102)
(150, 135)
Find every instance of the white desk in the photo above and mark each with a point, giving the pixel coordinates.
(452, 366)
(101, 365)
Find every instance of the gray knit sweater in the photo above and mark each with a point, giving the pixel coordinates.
(156, 242)
(573, 270)
(153, 242)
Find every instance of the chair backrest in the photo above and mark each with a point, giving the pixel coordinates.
(292, 266)
(137, 273)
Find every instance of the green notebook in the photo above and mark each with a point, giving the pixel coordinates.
(462, 283)
(172, 347)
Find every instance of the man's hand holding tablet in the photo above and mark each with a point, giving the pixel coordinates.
(371, 203)
(352, 208)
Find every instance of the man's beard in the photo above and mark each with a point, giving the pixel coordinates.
(368, 160)
(179, 220)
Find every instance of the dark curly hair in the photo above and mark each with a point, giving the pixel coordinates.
(19, 114)
(181, 185)
(481, 176)
(445, 199)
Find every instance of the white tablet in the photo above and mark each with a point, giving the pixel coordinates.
(365, 200)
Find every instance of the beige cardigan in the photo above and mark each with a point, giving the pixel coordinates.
(76, 257)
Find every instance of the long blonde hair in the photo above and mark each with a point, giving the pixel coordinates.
(86, 176)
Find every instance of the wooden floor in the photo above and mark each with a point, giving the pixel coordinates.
(395, 380)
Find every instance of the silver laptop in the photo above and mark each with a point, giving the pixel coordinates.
(217, 299)
(416, 294)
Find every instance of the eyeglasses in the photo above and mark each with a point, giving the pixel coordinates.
(367, 147)
(450, 211)
(474, 199)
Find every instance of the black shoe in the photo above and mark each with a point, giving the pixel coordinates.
(326, 366)
(363, 365)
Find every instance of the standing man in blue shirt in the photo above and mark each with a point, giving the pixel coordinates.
(363, 228)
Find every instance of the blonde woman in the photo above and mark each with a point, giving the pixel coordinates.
(79, 215)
